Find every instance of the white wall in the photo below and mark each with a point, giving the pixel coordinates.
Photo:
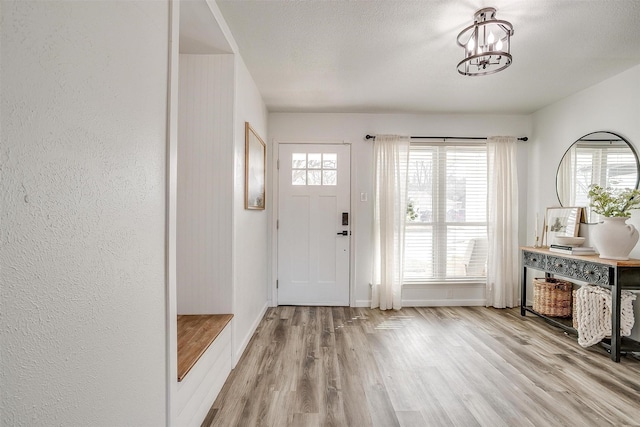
(611, 105)
(290, 127)
(251, 245)
(205, 184)
(215, 234)
(84, 104)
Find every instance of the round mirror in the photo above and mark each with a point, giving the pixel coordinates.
(602, 158)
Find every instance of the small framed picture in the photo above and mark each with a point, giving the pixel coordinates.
(255, 157)
(562, 222)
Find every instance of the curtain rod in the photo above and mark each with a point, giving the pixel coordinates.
(599, 140)
(524, 138)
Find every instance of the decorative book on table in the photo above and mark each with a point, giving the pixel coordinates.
(572, 250)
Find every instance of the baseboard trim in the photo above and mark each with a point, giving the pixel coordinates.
(444, 303)
(432, 303)
(237, 354)
(363, 303)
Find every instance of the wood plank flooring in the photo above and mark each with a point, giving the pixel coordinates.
(445, 366)
(196, 332)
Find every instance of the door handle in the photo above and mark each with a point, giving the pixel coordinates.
(343, 233)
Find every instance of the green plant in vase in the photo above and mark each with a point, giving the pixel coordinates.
(612, 202)
(613, 238)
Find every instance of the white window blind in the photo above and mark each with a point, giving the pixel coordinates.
(446, 231)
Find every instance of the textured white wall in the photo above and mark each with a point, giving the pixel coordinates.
(82, 196)
(205, 184)
(291, 127)
(611, 105)
(251, 250)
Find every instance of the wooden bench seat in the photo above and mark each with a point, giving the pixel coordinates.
(195, 335)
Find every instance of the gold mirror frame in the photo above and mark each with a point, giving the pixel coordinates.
(254, 167)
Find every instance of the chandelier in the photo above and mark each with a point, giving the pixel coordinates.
(486, 44)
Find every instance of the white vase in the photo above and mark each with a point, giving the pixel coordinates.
(614, 238)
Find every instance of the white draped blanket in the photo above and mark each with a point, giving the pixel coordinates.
(593, 313)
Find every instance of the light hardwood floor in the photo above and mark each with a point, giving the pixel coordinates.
(453, 366)
(195, 335)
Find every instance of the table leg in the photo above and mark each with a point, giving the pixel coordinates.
(616, 293)
(523, 295)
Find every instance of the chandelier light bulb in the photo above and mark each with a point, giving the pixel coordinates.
(470, 45)
(491, 38)
(499, 45)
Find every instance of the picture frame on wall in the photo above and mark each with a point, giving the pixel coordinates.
(255, 167)
(561, 222)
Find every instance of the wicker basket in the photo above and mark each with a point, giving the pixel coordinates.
(552, 297)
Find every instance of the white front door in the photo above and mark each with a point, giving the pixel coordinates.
(313, 224)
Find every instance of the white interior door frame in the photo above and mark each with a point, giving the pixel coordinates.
(171, 190)
(274, 218)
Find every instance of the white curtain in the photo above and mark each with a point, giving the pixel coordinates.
(502, 211)
(391, 159)
(567, 178)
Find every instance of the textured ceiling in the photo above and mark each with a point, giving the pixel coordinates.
(401, 56)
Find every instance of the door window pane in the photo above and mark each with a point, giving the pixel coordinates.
(329, 177)
(314, 160)
(299, 161)
(314, 177)
(329, 160)
(299, 177)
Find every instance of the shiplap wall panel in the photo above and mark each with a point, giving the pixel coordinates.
(205, 184)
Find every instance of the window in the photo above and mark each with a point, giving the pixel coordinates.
(446, 230)
(314, 168)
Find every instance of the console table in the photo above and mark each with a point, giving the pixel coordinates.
(612, 274)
